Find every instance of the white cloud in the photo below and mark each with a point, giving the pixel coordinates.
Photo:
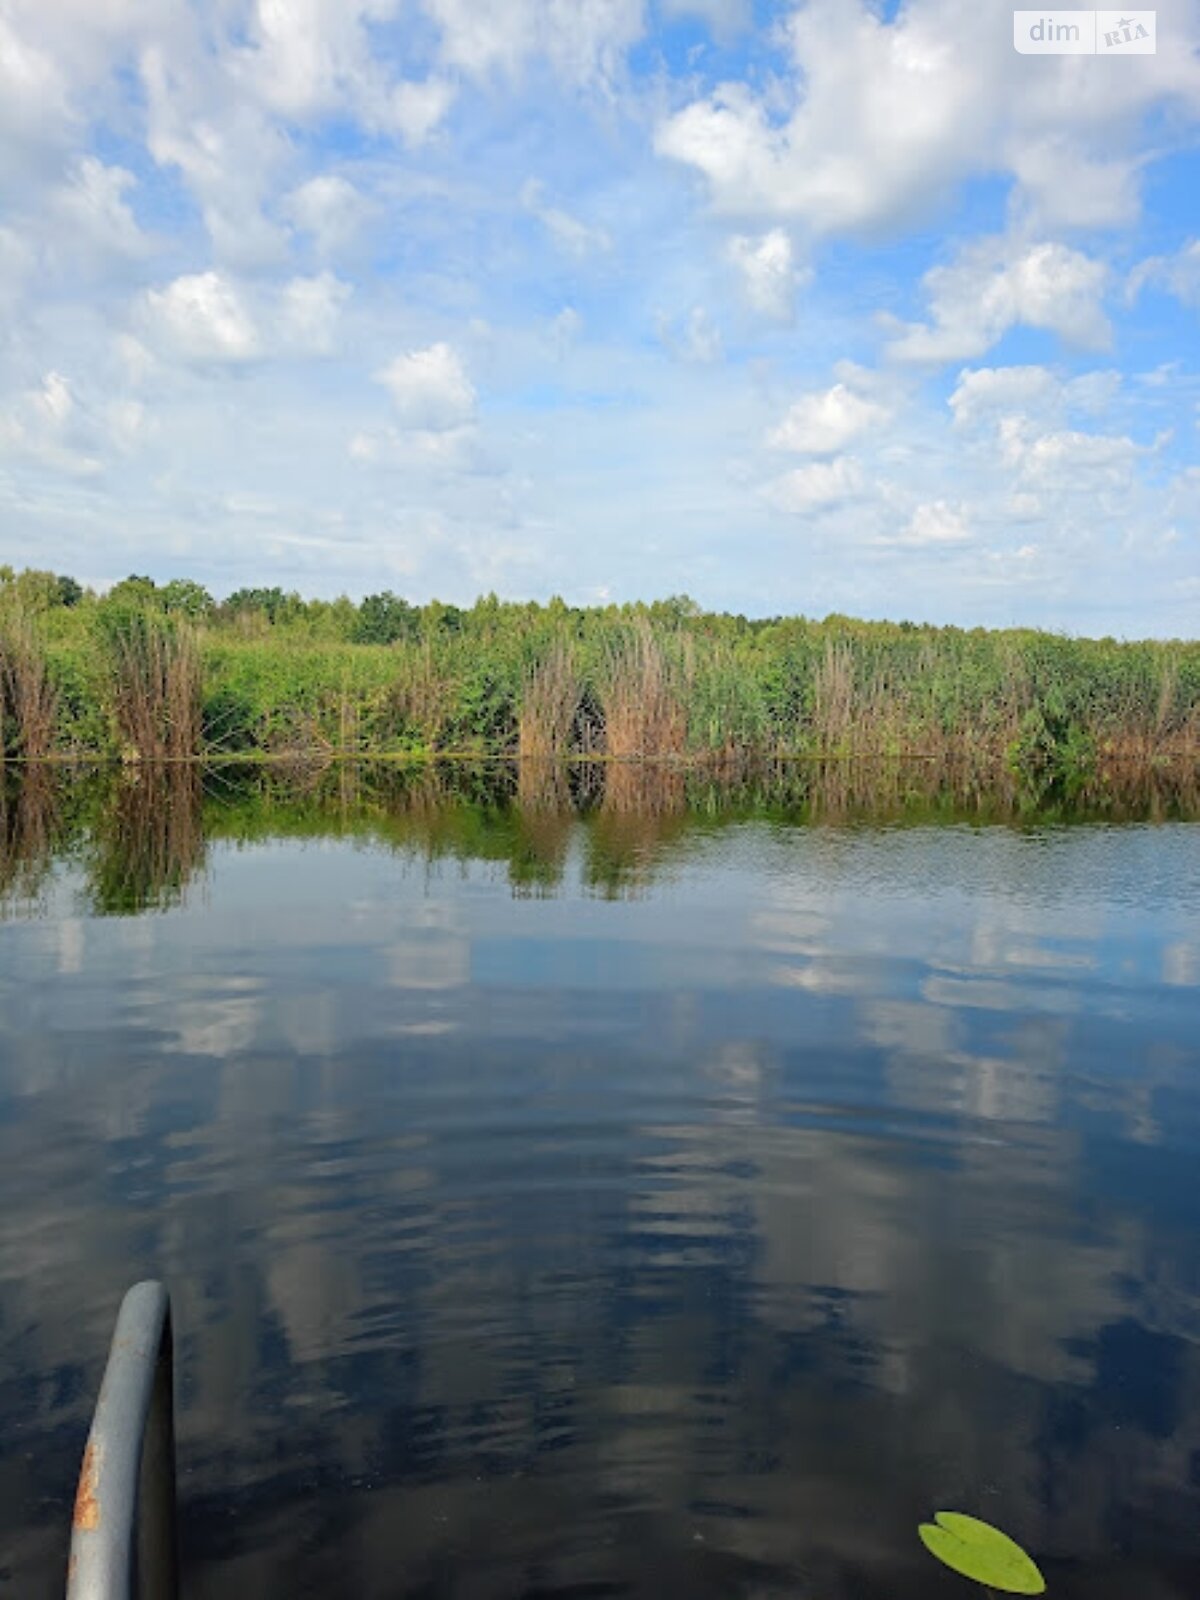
(986, 390)
(328, 208)
(309, 313)
(414, 110)
(92, 208)
(223, 144)
(1179, 274)
(574, 237)
(306, 52)
(1061, 185)
(819, 485)
(1067, 459)
(824, 423)
(430, 389)
(583, 40)
(34, 105)
(44, 427)
(311, 58)
(698, 341)
(769, 273)
(934, 525)
(984, 394)
(996, 284)
(202, 317)
(880, 119)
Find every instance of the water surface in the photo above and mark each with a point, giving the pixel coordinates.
(614, 1192)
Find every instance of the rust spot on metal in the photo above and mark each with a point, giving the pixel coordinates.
(87, 1507)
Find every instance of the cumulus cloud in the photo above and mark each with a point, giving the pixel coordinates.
(817, 486)
(329, 209)
(769, 273)
(92, 207)
(1067, 458)
(202, 317)
(983, 394)
(824, 423)
(986, 390)
(314, 58)
(934, 525)
(430, 389)
(996, 284)
(1178, 274)
(223, 144)
(309, 313)
(415, 109)
(886, 116)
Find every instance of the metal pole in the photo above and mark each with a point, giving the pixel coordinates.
(123, 1531)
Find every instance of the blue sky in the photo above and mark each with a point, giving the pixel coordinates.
(814, 307)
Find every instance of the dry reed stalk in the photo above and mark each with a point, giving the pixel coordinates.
(833, 699)
(550, 701)
(422, 694)
(157, 673)
(642, 695)
(28, 702)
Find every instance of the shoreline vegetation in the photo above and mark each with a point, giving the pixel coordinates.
(152, 673)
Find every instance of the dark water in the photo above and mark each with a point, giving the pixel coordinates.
(607, 1199)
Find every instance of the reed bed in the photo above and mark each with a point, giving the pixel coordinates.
(156, 677)
(551, 700)
(28, 700)
(664, 682)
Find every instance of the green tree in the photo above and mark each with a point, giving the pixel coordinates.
(185, 597)
(384, 618)
(273, 603)
(134, 590)
(33, 590)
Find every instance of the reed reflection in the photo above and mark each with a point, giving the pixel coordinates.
(144, 830)
(148, 845)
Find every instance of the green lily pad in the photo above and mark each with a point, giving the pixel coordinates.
(982, 1552)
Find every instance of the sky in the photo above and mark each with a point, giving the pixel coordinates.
(794, 308)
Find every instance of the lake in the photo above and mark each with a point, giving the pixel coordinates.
(608, 1185)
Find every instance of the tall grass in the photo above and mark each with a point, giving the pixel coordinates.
(642, 682)
(156, 676)
(551, 697)
(28, 701)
